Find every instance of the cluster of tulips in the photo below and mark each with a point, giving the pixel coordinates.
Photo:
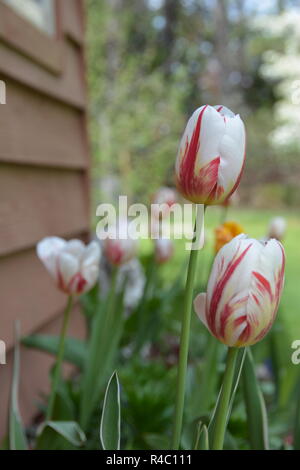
(246, 279)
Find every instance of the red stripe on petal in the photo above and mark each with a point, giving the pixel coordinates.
(218, 290)
(264, 285)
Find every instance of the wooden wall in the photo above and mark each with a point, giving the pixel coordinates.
(44, 165)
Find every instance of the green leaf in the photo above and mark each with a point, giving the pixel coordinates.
(17, 439)
(255, 406)
(202, 440)
(70, 431)
(237, 375)
(75, 349)
(108, 324)
(110, 426)
(297, 421)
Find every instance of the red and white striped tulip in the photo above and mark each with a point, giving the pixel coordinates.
(119, 248)
(73, 265)
(243, 292)
(211, 155)
(164, 250)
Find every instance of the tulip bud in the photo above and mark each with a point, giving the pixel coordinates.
(243, 292)
(277, 228)
(119, 248)
(73, 265)
(164, 250)
(211, 155)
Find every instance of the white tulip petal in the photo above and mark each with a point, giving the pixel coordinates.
(200, 307)
(48, 250)
(68, 266)
(232, 149)
(76, 248)
(211, 132)
(92, 254)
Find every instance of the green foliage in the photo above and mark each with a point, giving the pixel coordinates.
(110, 425)
(75, 349)
(256, 410)
(17, 438)
(51, 433)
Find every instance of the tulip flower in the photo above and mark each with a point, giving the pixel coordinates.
(73, 266)
(75, 269)
(164, 250)
(225, 233)
(243, 292)
(277, 228)
(165, 197)
(240, 306)
(211, 155)
(119, 248)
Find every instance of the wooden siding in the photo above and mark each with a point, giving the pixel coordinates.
(44, 166)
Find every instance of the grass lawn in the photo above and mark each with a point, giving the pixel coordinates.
(255, 223)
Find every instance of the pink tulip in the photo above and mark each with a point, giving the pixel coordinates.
(243, 292)
(73, 265)
(211, 155)
(119, 252)
(164, 250)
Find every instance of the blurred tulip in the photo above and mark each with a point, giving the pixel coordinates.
(165, 197)
(277, 228)
(211, 155)
(225, 233)
(119, 248)
(164, 250)
(73, 265)
(243, 292)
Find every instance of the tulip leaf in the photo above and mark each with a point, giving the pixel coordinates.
(75, 349)
(107, 327)
(110, 426)
(237, 375)
(297, 421)
(255, 406)
(51, 431)
(202, 440)
(17, 439)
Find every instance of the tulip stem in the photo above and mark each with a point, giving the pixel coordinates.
(222, 408)
(184, 342)
(59, 358)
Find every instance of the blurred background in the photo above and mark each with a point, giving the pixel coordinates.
(98, 93)
(151, 63)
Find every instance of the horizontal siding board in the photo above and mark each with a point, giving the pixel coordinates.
(35, 129)
(72, 19)
(32, 297)
(36, 202)
(23, 36)
(68, 87)
(34, 372)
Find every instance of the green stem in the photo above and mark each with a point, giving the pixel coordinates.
(222, 410)
(184, 346)
(59, 358)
